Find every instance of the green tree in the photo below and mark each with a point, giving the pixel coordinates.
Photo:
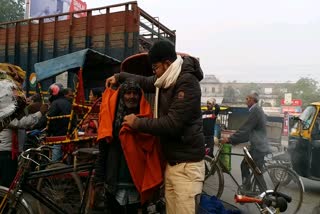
(306, 89)
(11, 10)
(229, 94)
(280, 89)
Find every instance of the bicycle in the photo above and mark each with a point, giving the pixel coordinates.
(12, 200)
(261, 180)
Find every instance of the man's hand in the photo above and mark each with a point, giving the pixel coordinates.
(129, 120)
(111, 81)
(224, 140)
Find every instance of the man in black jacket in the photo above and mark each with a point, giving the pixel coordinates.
(254, 131)
(177, 121)
(59, 106)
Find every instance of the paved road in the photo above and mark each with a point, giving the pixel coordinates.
(311, 195)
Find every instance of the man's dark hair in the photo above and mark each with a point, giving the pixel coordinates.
(67, 90)
(97, 92)
(162, 51)
(36, 98)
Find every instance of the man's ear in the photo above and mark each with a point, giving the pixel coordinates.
(168, 62)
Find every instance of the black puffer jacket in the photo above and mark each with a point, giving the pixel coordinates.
(57, 127)
(179, 125)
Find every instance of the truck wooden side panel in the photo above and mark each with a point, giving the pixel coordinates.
(118, 31)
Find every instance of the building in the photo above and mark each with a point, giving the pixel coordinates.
(211, 87)
(233, 93)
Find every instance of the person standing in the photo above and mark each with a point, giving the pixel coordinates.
(254, 131)
(59, 106)
(9, 145)
(177, 121)
(209, 121)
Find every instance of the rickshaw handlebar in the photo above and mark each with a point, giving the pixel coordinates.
(39, 149)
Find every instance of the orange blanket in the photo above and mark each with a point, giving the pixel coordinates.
(142, 151)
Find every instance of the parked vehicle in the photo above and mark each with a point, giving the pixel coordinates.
(119, 31)
(304, 142)
(86, 69)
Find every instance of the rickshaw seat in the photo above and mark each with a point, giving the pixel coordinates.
(88, 151)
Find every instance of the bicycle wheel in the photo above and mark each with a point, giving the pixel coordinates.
(22, 206)
(289, 183)
(64, 190)
(214, 180)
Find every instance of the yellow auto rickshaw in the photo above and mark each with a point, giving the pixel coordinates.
(304, 142)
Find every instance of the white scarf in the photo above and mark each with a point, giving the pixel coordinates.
(168, 78)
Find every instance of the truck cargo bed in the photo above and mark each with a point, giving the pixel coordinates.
(118, 31)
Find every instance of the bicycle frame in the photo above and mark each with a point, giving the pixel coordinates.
(216, 161)
(256, 172)
(22, 184)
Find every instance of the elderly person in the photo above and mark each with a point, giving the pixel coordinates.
(128, 162)
(254, 131)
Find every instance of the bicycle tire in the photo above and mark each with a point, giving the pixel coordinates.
(66, 193)
(289, 183)
(214, 181)
(21, 208)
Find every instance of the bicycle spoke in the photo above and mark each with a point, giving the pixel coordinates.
(64, 189)
(286, 181)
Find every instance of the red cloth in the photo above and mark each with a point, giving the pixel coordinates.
(141, 151)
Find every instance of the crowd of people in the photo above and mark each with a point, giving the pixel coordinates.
(143, 148)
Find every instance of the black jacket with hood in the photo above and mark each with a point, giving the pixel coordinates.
(179, 125)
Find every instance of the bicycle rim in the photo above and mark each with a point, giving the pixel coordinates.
(65, 190)
(214, 180)
(289, 183)
(20, 208)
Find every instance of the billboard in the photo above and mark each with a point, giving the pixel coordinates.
(294, 102)
(40, 8)
(77, 5)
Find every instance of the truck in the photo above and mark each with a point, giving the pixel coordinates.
(119, 31)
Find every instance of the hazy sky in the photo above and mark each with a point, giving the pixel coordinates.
(244, 40)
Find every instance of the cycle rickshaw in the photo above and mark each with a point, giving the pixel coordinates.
(85, 69)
